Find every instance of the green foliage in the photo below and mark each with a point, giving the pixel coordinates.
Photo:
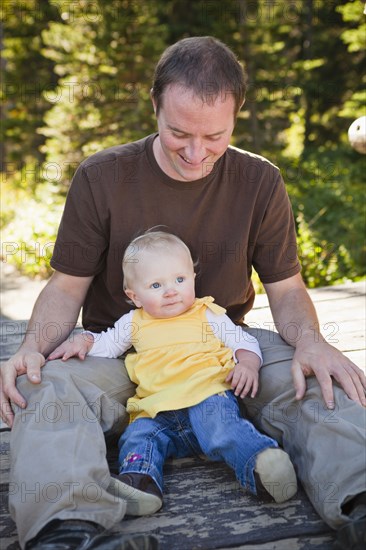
(27, 75)
(30, 227)
(327, 191)
(104, 54)
(323, 263)
(77, 80)
(355, 37)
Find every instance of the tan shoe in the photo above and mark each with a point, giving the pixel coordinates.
(276, 474)
(140, 491)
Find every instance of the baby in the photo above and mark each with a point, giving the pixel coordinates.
(189, 365)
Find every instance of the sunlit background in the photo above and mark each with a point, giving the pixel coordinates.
(76, 79)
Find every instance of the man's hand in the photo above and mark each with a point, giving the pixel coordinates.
(322, 360)
(291, 306)
(79, 346)
(62, 298)
(23, 362)
(244, 376)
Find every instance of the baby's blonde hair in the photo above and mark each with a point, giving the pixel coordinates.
(150, 240)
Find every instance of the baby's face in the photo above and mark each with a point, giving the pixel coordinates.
(164, 282)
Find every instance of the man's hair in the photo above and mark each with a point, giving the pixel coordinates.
(204, 65)
(150, 240)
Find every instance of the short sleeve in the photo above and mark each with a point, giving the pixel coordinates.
(81, 240)
(275, 254)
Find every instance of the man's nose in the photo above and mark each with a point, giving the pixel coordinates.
(195, 151)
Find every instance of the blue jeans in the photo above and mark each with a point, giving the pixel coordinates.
(214, 427)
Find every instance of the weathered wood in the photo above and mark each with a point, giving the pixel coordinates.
(204, 507)
(341, 311)
(299, 543)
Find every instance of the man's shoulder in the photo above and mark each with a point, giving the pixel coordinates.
(247, 157)
(116, 153)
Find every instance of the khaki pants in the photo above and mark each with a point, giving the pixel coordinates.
(58, 453)
(59, 469)
(327, 448)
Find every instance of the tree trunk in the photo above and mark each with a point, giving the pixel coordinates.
(251, 72)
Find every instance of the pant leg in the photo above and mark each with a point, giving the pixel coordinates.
(327, 447)
(224, 435)
(144, 446)
(58, 454)
(148, 442)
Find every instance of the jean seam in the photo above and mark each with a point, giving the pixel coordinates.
(182, 434)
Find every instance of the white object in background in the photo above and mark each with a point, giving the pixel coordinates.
(357, 135)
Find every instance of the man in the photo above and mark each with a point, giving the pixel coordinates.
(232, 209)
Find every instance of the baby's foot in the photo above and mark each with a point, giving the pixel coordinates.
(276, 474)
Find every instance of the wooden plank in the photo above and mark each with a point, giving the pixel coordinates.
(204, 508)
(300, 543)
(4, 460)
(341, 311)
(357, 357)
(338, 291)
(323, 294)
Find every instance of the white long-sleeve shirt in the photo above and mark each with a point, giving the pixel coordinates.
(116, 340)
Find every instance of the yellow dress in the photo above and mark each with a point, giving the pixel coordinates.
(179, 361)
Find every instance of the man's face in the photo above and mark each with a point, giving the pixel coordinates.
(193, 134)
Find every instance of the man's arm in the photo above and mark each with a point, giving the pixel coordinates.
(54, 316)
(297, 322)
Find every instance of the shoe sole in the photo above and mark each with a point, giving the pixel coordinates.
(277, 474)
(138, 502)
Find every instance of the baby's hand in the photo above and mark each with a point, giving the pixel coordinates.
(244, 376)
(79, 346)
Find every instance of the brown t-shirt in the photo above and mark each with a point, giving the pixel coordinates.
(237, 216)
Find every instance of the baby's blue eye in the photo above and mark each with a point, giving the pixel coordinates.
(180, 279)
(155, 285)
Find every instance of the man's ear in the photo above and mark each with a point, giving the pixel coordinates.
(132, 296)
(153, 100)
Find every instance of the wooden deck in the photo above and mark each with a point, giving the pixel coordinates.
(204, 507)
